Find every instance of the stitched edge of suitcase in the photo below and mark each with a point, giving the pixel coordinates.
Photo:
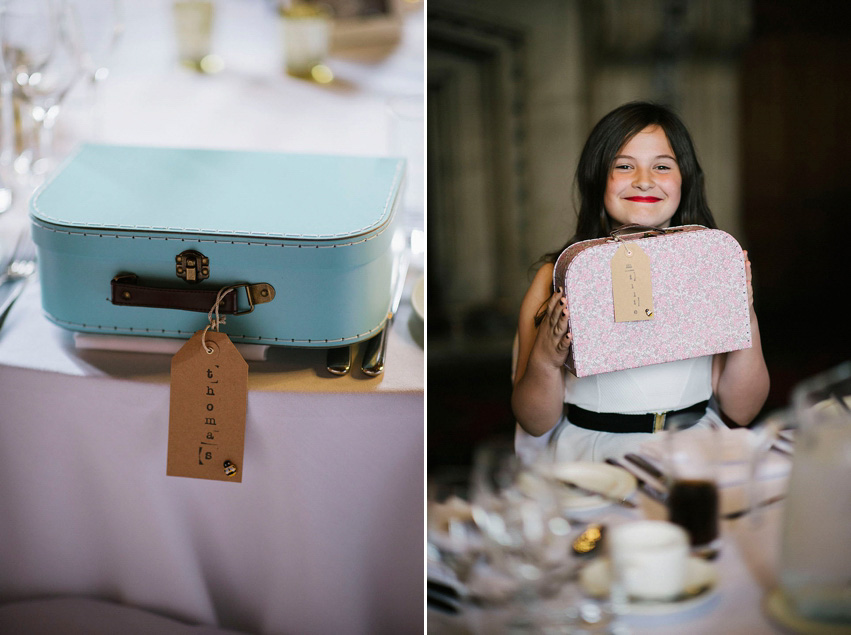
(394, 189)
(232, 241)
(247, 339)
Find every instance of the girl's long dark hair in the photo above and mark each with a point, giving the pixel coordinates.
(610, 134)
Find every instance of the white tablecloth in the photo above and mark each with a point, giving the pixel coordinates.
(325, 533)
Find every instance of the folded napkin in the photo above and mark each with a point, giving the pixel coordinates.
(737, 449)
(156, 345)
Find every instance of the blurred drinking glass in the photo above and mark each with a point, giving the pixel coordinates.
(406, 119)
(101, 27)
(692, 457)
(815, 561)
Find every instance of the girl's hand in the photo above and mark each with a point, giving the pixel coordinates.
(552, 342)
(543, 342)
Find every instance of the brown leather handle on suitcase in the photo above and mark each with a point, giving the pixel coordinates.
(637, 228)
(127, 291)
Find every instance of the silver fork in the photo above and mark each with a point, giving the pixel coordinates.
(18, 272)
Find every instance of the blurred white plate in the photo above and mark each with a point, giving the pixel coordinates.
(418, 297)
(600, 477)
(701, 585)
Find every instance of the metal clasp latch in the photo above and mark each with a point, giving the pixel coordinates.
(192, 266)
(659, 421)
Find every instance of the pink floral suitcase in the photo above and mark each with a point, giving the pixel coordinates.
(681, 292)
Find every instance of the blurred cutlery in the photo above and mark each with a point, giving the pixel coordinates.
(742, 512)
(781, 449)
(592, 492)
(442, 588)
(653, 492)
(442, 603)
(373, 357)
(338, 360)
(21, 267)
(788, 436)
(645, 465)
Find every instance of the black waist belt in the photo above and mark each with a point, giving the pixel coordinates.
(616, 422)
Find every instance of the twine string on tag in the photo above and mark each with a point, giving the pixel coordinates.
(620, 240)
(214, 322)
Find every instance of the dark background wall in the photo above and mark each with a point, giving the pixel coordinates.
(795, 134)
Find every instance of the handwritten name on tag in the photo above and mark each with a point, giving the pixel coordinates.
(206, 428)
(632, 289)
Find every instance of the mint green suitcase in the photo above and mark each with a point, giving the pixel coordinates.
(144, 241)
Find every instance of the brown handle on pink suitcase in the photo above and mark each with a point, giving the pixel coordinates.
(127, 291)
(637, 228)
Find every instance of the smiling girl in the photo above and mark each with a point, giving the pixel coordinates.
(638, 166)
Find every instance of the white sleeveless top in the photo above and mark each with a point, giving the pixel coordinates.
(656, 388)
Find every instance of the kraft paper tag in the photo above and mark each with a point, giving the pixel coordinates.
(632, 289)
(206, 425)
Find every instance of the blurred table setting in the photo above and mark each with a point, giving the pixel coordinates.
(652, 542)
(325, 531)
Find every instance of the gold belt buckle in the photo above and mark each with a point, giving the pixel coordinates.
(659, 421)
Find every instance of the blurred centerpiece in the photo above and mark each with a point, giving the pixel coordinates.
(193, 22)
(306, 29)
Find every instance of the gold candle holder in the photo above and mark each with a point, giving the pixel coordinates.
(306, 31)
(193, 23)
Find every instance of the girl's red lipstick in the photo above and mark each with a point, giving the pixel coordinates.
(643, 199)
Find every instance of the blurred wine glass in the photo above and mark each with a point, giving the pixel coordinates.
(24, 48)
(524, 532)
(101, 27)
(41, 56)
(453, 540)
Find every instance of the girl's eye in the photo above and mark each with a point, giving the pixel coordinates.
(623, 167)
(664, 168)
